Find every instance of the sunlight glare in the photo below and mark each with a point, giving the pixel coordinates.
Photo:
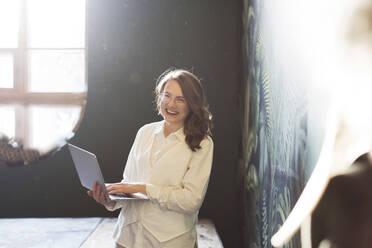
(9, 22)
(56, 24)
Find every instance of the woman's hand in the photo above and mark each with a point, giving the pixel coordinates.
(128, 188)
(99, 195)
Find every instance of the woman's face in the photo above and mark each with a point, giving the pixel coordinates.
(173, 106)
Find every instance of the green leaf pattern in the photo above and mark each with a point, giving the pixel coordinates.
(274, 135)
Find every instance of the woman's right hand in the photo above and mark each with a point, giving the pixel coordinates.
(99, 195)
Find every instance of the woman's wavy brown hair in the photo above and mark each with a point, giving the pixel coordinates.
(198, 122)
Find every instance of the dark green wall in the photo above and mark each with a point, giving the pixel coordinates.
(283, 119)
(130, 44)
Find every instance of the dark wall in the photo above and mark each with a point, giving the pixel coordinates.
(130, 44)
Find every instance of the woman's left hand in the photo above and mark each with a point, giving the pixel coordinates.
(128, 188)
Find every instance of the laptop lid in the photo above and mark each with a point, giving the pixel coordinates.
(87, 167)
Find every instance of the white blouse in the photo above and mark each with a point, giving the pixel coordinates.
(177, 180)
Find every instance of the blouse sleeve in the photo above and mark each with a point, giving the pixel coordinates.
(188, 197)
(129, 171)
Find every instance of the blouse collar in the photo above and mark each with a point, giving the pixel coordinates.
(179, 133)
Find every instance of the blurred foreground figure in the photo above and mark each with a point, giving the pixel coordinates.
(334, 209)
(343, 215)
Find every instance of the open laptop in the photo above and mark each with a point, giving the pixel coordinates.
(87, 167)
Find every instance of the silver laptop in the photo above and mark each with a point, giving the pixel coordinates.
(87, 167)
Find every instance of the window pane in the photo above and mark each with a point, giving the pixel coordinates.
(50, 125)
(6, 70)
(9, 19)
(7, 123)
(56, 23)
(57, 71)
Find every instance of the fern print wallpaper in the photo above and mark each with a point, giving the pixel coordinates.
(275, 153)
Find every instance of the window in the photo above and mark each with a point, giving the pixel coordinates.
(42, 68)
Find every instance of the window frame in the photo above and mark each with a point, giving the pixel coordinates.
(20, 93)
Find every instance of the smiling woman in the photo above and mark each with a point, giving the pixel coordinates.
(43, 84)
(191, 109)
(170, 162)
